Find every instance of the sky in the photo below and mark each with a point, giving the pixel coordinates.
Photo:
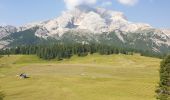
(20, 12)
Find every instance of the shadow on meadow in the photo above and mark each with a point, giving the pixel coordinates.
(2, 95)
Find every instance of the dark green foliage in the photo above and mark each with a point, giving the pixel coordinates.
(152, 54)
(164, 84)
(65, 51)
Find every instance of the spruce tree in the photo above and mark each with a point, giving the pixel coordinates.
(164, 84)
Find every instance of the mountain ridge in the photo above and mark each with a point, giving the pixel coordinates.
(92, 24)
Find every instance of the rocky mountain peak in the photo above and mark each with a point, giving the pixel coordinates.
(84, 24)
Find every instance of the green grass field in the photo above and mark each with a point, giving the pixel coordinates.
(95, 77)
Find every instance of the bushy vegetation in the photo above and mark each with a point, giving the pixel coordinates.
(164, 84)
(61, 51)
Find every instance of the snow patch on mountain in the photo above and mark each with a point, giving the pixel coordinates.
(166, 31)
(6, 30)
(94, 20)
(88, 22)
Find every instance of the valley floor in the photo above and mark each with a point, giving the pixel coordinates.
(95, 77)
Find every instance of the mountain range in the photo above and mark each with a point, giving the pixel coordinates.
(85, 24)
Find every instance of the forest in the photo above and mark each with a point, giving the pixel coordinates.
(60, 51)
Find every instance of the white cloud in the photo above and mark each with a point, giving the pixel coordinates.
(107, 3)
(70, 4)
(128, 2)
(73, 3)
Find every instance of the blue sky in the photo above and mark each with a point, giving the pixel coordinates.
(19, 12)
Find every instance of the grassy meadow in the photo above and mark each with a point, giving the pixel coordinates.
(94, 77)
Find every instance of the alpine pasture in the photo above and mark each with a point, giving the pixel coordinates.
(94, 77)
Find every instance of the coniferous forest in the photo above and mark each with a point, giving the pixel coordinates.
(61, 51)
(164, 85)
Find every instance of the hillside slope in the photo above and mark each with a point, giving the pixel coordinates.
(85, 25)
(120, 77)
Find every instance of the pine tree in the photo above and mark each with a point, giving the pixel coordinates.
(164, 84)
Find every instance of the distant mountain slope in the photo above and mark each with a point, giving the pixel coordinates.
(85, 25)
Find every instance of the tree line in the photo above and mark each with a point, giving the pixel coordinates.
(60, 51)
